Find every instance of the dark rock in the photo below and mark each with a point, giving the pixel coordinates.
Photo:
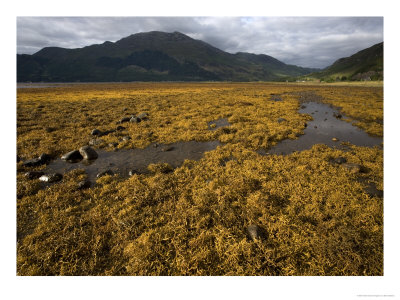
(126, 138)
(95, 132)
(133, 172)
(119, 128)
(84, 184)
(18, 159)
(32, 162)
(143, 116)
(303, 107)
(315, 127)
(372, 191)
(125, 119)
(337, 115)
(135, 119)
(49, 129)
(88, 153)
(167, 148)
(33, 174)
(280, 120)
(256, 232)
(124, 109)
(305, 125)
(106, 132)
(41, 160)
(104, 173)
(96, 142)
(53, 177)
(73, 156)
(353, 168)
(339, 160)
(45, 158)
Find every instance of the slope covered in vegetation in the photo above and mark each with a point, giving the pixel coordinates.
(318, 216)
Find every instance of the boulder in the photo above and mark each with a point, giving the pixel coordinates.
(41, 160)
(88, 153)
(53, 177)
(73, 156)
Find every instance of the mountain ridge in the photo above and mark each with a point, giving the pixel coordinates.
(151, 56)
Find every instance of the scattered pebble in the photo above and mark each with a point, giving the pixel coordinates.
(256, 232)
(33, 174)
(54, 177)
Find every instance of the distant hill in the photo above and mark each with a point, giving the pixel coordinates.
(366, 64)
(151, 56)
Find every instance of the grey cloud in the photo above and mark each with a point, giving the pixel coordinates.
(303, 41)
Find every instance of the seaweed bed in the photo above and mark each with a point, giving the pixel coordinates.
(319, 217)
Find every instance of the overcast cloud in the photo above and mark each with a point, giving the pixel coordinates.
(303, 41)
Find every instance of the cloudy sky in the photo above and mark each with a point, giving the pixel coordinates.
(303, 41)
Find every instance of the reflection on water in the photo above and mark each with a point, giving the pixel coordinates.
(322, 129)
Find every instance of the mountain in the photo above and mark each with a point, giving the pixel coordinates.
(151, 56)
(366, 64)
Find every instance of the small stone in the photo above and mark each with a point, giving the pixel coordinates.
(95, 132)
(119, 128)
(337, 115)
(84, 184)
(143, 116)
(167, 148)
(49, 129)
(33, 174)
(104, 173)
(96, 142)
(305, 125)
(315, 127)
(135, 119)
(88, 153)
(280, 120)
(256, 232)
(334, 139)
(303, 107)
(125, 119)
(133, 172)
(340, 160)
(353, 168)
(18, 159)
(54, 177)
(126, 138)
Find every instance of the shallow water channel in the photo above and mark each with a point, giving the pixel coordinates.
(322, 129)
(125, 160)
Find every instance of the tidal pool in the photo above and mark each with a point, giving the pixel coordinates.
(125, 160)
(322, 129)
